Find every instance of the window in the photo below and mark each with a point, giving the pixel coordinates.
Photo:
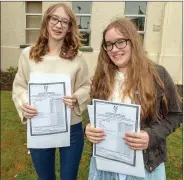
(33, 12)
(136, 11)
(83, 12)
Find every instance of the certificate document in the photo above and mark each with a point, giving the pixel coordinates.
(50, 128)
(115, 119)
(47, 99)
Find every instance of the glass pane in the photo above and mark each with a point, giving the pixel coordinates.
(82, 7)
(33, 7)
(135, 7)
(83, 22)
(139, 22)
(33, 21)
(86, 37)
(31, 36)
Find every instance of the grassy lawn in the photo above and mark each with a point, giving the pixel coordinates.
(16, 162)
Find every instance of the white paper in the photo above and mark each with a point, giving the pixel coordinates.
(91, 118)
(47, 99)
(118, 167)
(51, 128)
(115, 119)
(91, 114)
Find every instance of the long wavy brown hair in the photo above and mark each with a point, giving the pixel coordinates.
(72, 40)
(140, 78)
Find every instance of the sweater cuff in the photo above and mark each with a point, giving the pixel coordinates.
(82, 101)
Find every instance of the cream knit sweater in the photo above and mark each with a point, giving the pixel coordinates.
(77, 68)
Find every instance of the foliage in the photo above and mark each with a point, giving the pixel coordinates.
(7, 78)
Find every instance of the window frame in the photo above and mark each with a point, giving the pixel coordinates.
(139, 15)
(85, 30)
(30, 14)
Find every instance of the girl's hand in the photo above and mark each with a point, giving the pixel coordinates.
(137, 140)
(28, 111)
(70, 101)
(94, 135)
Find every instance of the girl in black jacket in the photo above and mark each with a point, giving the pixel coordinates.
(124, 72)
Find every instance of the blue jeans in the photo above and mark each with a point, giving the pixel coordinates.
(95, 174)
(44, 159)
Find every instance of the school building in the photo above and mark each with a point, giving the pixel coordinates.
(159, 23)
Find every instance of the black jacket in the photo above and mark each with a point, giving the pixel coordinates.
(156, 152)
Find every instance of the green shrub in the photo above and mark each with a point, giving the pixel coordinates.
(7, 78)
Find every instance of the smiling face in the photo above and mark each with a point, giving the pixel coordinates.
(121, 51)
(58, 24)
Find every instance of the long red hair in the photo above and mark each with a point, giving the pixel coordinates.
(71, 43)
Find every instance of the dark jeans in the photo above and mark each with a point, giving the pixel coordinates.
(44, 159)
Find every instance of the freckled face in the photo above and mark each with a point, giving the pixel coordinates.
(119, 56)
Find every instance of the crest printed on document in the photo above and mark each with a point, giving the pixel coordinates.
(45, 88)
(115, 108)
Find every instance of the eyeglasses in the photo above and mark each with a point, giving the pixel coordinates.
(54, 20)
(120, 44)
